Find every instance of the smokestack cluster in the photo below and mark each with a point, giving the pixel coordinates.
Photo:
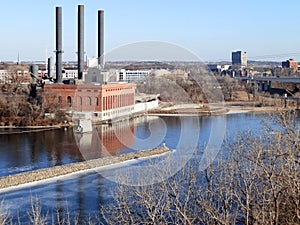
(80, 41)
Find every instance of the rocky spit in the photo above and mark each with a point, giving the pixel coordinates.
(48, 173)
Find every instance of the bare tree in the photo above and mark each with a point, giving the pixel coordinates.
(256, 181)
(229, 88)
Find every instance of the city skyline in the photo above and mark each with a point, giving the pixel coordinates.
(266, 30)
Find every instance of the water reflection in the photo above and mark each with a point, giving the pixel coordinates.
(106, 140)
(32, 150)
(83, 194)
(25, 151)
(81, 197)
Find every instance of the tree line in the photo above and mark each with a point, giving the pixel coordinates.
(22, 105)
(256, 180)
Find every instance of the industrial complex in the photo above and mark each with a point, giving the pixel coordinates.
(87, 92)
(92, 90)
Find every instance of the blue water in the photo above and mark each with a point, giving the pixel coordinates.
(83, 194)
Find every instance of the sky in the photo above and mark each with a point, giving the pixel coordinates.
(211, 30)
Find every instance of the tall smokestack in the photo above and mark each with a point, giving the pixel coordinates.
(80, 40)
(50, 67)
(101, 38)
(59, 50)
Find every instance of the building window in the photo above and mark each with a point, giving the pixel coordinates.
(59, 99)
(80, 100)
(89, 101)
(69, 100)
(97, 101)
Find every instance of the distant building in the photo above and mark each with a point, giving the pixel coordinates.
(6, 76)
(138, 72)
(291, 64)
(69, 73)
(218, 67)
(23, 76)
(134, 75)
(239, 59)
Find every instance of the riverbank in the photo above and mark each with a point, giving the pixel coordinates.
(247, 109)
(41, 175)
(212, 109)
(39, 128)
(170, 109)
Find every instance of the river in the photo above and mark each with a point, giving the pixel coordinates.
(82, 194)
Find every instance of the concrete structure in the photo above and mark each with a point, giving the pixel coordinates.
(80, 41)
(92, 63)
(145, 102)
(282, 79)
(51, 70)
(93, 76)
(239, 59)
(264, 83)
(101, 38)
(291, 64)
(59, 50)
(85, 124)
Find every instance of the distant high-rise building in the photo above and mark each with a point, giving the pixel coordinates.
(239, 59)
(291, 64)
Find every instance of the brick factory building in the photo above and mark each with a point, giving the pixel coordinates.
(106, 102)
(291, 64)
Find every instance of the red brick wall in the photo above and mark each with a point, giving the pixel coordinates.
(85, 98)
(294, 65)
(290, 64)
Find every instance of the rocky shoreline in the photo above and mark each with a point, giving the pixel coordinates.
(57, 171)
